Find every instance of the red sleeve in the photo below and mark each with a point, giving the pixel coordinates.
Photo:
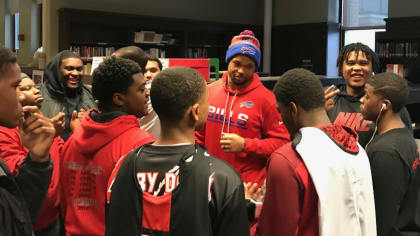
(274, 135)
(11, 149)
(200, 136)
(56, 148)
(282, 199)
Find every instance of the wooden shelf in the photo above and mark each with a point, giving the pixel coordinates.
(107, 29)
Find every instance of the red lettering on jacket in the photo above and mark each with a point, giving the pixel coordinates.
(352, 120)
(342, 118)
(364, 126)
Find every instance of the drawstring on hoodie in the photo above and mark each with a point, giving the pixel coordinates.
(228, 113)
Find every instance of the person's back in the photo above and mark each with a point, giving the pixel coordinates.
(393, 156)
(323, 174)
(175, 186)
(91, 153)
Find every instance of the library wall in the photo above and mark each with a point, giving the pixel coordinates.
(289, 12)
(29, 21)
(232, 11)
(398, 8)
(2, 22)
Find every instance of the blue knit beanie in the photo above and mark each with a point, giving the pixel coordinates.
(245, 44)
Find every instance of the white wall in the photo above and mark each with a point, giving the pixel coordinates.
(403, 8)
(231, 11)
(288, 12)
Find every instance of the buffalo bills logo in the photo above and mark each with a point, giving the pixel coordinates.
(248, 50)
(247, 104)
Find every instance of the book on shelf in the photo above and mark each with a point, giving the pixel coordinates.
(396, 68)
(87, 68)
(397, 49)
(88, 52)
(157, 52)
(197, 53)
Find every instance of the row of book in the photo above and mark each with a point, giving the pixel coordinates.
(197, 53)
(157, 52)
(397, 49)
(87, 52)
(87, 69)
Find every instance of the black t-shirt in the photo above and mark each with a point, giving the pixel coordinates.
(187, 192)
(346, 112)
(393, 157)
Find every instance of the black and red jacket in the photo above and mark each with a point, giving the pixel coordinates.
(209, 199)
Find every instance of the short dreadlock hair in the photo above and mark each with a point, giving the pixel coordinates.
(358, 47)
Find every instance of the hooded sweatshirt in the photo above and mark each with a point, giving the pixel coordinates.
(14, 153)
(346, 112)
(253, 116)
(306, 186)
(58, 97)
(89, 156)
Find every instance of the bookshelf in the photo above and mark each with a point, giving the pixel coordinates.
(400, 44)
(96, 33)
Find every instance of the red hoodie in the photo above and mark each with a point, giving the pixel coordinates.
(89, 156)
(253, 116)
(13, 153)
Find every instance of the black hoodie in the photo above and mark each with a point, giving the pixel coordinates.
(346, 112)
(58, 97)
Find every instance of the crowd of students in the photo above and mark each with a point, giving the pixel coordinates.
(147, 151)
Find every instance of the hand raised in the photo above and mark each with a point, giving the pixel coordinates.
(58, 121)
(37, 133)
(329, 94)
(76, 119)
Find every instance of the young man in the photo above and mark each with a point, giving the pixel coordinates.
(356, 63)
(90, 155)
(320, 183)
(22, 196)
(393, 156)
(151, 122)
(13, 153)
(133, 53)
(63, 89)
(173, 186)
(243, 127)
(153, 67)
